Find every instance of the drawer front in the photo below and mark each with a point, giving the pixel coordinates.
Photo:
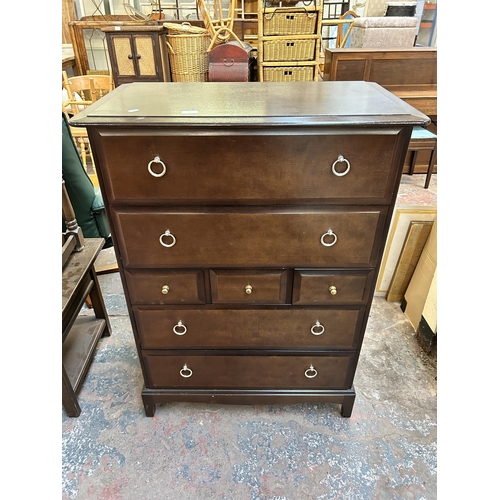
(249, 328)
(259, 372)
(166, 287)
(248, 287)
(312, 287)
(281, 166)
(250, 239)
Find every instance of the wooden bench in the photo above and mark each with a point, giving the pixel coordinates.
(410, 73)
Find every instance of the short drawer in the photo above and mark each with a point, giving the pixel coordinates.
(166, 287)
(246, 238)
(316, 287)
(285, 166)
(250, 372)
(248, 287)
(248, 328)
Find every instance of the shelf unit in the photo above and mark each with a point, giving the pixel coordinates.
(289, 42)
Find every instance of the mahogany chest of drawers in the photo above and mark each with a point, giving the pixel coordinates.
(249, 221)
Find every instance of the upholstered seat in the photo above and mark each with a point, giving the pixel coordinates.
(86, 199)
(383, 32)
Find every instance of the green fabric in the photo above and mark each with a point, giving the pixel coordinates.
(86, 200)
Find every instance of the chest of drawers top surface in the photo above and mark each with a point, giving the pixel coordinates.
(264, 103)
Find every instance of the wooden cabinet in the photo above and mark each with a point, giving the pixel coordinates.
(137, 53)
(249, 221)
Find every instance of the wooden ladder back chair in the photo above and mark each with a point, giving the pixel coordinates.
(82, 91)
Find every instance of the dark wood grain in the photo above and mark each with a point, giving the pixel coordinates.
(248, 192)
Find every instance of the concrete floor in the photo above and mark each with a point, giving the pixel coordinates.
(386, 450)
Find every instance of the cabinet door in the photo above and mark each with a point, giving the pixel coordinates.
(146, 57)
(122, 49)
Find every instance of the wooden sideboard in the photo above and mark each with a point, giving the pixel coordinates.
(249, 221)
(411, 74)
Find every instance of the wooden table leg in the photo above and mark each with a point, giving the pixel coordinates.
(413, 162)
(69, 399)
(430, 169)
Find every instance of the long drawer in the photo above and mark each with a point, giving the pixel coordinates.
(262, 372)
(246, 238)
(284, 328)
(281, 167)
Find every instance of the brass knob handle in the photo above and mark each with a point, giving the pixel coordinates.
(165, 289)
(248, 289)
(333, 290)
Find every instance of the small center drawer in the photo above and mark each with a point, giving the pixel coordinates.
(184, 286)
(316, 287)
(263, 372)
(248, 287)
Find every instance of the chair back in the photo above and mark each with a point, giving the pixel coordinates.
(84, 90)
(344, 30)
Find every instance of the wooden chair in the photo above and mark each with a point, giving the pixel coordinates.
(344, 26)
(344, 30)
(82, 91)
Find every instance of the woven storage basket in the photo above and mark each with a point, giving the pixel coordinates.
(289, 23)
(187, 48)
(288, 74)
(289, 50)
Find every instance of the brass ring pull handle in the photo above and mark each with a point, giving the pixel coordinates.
(311, 372)
(165, 289)
(168, 234)
(186, 372)
(156, 159)
(180, 328)
(317, 328)
(248, 289)
(329, 233)
(341, 159)
(333, 290)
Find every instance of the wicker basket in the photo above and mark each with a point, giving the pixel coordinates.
(188, 52)
(289, 23)
(289, 50)
(288, 74)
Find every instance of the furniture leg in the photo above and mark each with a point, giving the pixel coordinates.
(69, 399)
(430, 169)
(149, 406)
(97, 302)
(347, 406)
(413, 162)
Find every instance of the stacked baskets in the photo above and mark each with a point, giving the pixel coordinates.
(188, 52)
(289, 42)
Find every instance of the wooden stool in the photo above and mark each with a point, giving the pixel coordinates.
(423, 139)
